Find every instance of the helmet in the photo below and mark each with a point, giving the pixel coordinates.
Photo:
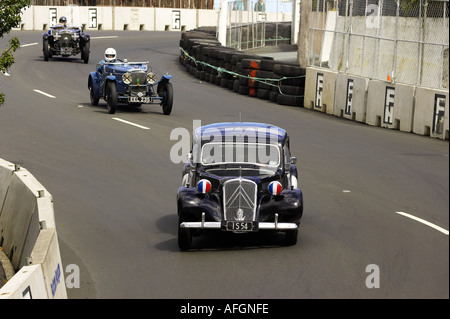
(63, 20)
(110, 54)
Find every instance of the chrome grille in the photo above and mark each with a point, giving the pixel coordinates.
(239, 199)
(138, 77)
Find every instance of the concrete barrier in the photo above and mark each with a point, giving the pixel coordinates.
(320, 87)
(431, 113)
(118, 18)
(28, 236)
(351, 97)
(390, 105)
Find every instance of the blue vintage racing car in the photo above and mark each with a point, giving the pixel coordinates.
(131, 83)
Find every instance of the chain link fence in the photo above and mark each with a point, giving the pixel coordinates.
(404, 41)
(254, 23)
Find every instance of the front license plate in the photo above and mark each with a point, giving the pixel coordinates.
(241, 226)
(137, 99)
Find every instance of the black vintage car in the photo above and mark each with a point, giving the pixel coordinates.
(240, 178)
(66, 41)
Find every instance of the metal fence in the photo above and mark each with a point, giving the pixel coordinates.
(404, 41)
(253, 24)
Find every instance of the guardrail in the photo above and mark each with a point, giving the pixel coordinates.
(28, 236)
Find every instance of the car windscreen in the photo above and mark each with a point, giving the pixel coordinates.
(240, 153)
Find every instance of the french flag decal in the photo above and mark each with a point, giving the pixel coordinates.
(204, 186)
(275, 188)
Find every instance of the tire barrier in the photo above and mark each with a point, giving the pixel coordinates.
(254, 75)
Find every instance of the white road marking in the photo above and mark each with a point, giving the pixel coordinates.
(29, 44)
(420, 220)
(346, 191)
(131, 123)
(46, 94)
(105, 37)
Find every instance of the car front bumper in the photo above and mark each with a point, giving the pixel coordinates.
(220, 225)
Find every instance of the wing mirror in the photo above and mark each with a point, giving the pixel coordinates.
(293, 160)
(190, 159)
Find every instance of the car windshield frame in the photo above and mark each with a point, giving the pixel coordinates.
(236, 155)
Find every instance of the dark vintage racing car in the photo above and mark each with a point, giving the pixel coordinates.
(240, 178)
(131, 83)
(66, 41)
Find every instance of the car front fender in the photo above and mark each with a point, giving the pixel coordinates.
(94, 83)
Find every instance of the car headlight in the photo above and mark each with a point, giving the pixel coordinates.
(151, 78)
(126, 78)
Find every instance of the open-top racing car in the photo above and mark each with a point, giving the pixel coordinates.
(131, 83)
(240, 178)
(66, 41)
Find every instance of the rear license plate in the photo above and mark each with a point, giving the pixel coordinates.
(137, 99)
(241, 226)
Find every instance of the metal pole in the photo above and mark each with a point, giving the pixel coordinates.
(223, 13)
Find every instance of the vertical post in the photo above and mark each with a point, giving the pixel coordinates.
(222, 29)
(295, 26)
(394, 62)
(304, 31)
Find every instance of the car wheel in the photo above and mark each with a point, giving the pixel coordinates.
(85, 55)
(167, 98)
(184, 237)
(111, 97)
(46, 50)
(290, 238)
(94, 100)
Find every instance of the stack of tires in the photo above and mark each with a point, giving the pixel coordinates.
(254, 75)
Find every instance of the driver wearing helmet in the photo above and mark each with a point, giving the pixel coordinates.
(63, 21)
(110, 57)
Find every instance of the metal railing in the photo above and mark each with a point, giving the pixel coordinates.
(404, 41)
(253, 24)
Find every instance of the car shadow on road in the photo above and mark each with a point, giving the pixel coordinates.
(124, 108)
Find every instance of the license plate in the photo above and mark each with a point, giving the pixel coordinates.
(241, 226)
(137, 99)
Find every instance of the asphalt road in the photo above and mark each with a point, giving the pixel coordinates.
(114, 188)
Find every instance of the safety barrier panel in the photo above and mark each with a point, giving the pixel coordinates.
(28, 236)
(390, 105)
(118, 18)
(431, 113)
(351, 97)
(319, 90)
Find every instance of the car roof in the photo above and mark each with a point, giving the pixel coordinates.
(248, 130)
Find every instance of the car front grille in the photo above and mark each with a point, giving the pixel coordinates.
(239, 199)
(66, 38)
(138, 78)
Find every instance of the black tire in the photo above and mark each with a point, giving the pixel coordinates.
(290, 238)
(167, 100)
(86, 50)
(111, 97)
(94, 99)
(46, 50)
(184, 238)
